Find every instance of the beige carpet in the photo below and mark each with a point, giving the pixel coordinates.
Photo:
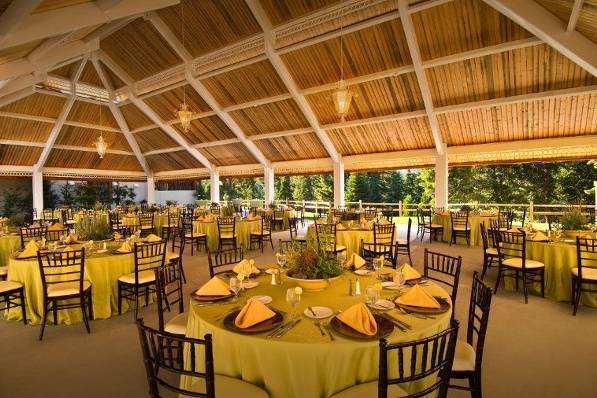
(533, 350)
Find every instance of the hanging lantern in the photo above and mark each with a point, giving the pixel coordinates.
(342, 98)
(101, 146)
(185, 116)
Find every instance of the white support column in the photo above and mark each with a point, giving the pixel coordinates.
(339, 183)
(441, 179)
(150, 189)
(268, 185)
(215, 185)
(37, 185)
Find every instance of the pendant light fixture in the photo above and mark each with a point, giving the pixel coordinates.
(100, 145)
(342, 96)
(184, 113)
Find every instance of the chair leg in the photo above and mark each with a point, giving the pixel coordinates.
(271, 242)
(576, 296)
(543, 282)
(84, 312)
(524, 287)
(44, 320)
(23, 309)
(497, 281)
(119, 299)
(55, 312)
(475, 386)
(485, 265)
(90, 303)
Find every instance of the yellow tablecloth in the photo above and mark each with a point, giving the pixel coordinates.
(474, 222)
(303, 363)
(243, 232)
(559, 259)
(8, 245)
(102, 270)
(351, 238)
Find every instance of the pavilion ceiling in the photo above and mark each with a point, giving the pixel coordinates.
(490, 81)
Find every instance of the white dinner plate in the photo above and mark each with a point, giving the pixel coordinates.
(270, 271)
(390, 285)
(262, 298)
(362, 272)
(250, 284)
(100, 251)
(383, 305)
(320, 312)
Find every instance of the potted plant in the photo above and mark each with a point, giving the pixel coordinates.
(574, 223)
(310, 269)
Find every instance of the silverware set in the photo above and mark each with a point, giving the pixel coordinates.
(283, 329)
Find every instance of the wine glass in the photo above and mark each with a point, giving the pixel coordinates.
(377, 264)
(293, 298)
(342, 259)
(399, 279)
(235, 286)
(372, 295)
(246, 269)
(281, 260)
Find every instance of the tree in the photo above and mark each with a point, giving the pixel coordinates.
(323, 187)
(302, 187)
(282, 188)
(393, 186)
(50, 197)
(202, 190)
(356, 187)
(426, 183)
(122, 194)
(68, 197)
(374, 188)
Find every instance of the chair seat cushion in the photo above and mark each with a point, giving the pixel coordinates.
(146, 227)
(261, 233)
(492, 251)
(379, 249)
(460, 228)
(587, 273)
(464, 357)
(231, 387)
(195, 235)
(178, 324)
(226, 235)
(516, 262)
(402, 242)
(174, 257)
(436, 226)
(144, 277)
(66, 288)
(4, 270)
(369, 390)
(7, 286)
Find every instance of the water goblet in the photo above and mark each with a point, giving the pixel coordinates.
(377, 264)
(293, 298)
(371, 295)
(281, 260)
(342, 259)
(399, 279)
(235, 286)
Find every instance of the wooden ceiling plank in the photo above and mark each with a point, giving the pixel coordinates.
(285, 133)
(164, 150)
(574, 14)
(217, 143)
(14, 15)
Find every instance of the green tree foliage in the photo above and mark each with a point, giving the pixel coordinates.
(302, 187)
(68, 195)
(87, 193)
(356, 187)
(202, 190)
(50, 197)
(122, 194)
(283, 188)
(323, 187)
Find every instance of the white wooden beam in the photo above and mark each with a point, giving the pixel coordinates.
(164, 150)
(261, 101)
(376, 119)
(107, 29)
(168, 35)
(574, 15)
(14, 15)
(23, 116)
(145, 128)
(217, 143)
(20, 83)
(550, 29)
(15, 96)
(61, 172)
(114, 67)
(284, 133)
(23, 143)
(411, 39)
(426, 5)
(79, 148)
(284, 74)
(92, 126)
(106, 5)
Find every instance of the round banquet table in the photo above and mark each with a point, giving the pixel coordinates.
(102, 270)
(303, 363)
(559, 258)
(243, 232)
(8, 245)
(351, 238)
(474, 222)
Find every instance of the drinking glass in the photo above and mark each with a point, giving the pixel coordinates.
(342, 259)
(246, 269)
(377, 263)
(399, 279)
(372, 295)
(281, 260)
(293, 299)
(235, 286)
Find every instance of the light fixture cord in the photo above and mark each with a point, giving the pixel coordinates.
(341, 49)
(184, 88)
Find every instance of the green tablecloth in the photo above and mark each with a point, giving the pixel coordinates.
(102, 270)
(243, 232)
(474, 222)
(303, 363)
(8, 245)
(351, 238)
(559, 259)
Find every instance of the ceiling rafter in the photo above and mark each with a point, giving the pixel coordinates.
(173, 41)
(286, 77)
(14, 15)
(574, 14)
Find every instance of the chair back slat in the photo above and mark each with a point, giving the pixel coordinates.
(459, 220)
(148, 256)
(444, 269)
(60, 267)
(227, 226)
(511, 245)
(586, 254)
(29, 233)
(478, 316)
(224, 259)
(169, 290)
(326, 236)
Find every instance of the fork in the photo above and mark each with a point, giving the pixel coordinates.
(318, 324)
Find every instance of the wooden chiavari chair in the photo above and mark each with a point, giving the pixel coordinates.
(13, 296)
(263, 235)
(584, 276)
(224, 258)
(227, 232)
(383, 242)
(173, 221)
(215, 209)
(403, 246)
(195, 239)
(428, 226)
(178, 246)
(490, 253)
(370, 214)
(444, 269)
(285, 245)
(460, 226)
(169, 295)
(31, 233)
(327, 239)
(278, 219)
(146, 221)
(55, 235)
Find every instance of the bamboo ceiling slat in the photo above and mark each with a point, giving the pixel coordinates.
(167, 103)
(90, 76)
(374, 98)
(24, 130)
(228, 155)
(4, 5)
(560, 8)
(383, 137)
(112, 77)
(86, 112)
(17, 52)
(37, 104)
(294, 147)
(78, 136)
(587, 20)
(154, 139)
(210, 24)
(90, 160)
(521, 71)
(252, 82)
(172, 161)
(17, 155)
(279, 12)
(269, 118)
(140, 49)
(134, 117)
(49, 5)
(462, 25)
(563, 117)
(366, 51)
(206, 129)
(65, 71)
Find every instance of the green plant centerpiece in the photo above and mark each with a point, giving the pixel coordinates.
(310, 269)
(93, 228)
(574, 223)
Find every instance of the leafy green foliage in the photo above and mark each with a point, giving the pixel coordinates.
(306, 263)
(93, 228)
(573, 219)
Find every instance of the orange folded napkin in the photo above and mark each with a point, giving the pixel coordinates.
(125, 248)
(360, 319)
(356, 261)
(30, 250)
(70, 239)
(65, 250)
(418, 297)
(214, 287)
(515, 230)
(151, 238)
(538, 236)
(245, 264)
(56, 227)
(116, 236)
(409, 272)
(384, 221)
(253, 313)
(340, 227)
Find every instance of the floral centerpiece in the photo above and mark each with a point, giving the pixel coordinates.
(312, 270)
(574, 223)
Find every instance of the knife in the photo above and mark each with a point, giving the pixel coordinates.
(284, 331)
(276, 330)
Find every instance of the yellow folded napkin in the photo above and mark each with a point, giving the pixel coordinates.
(151, 238)
(125, 248)
(240, 268)
(356, 261)
(384, 221)
(30, 250)
(516, 230)
(35, 225)
(253, 313)
(360, 319)
(116, 236)
(418, 297)
(56, 227)
(214, 287)
(538, 236)
(409, 272)
(340, 227)
(70, 239)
